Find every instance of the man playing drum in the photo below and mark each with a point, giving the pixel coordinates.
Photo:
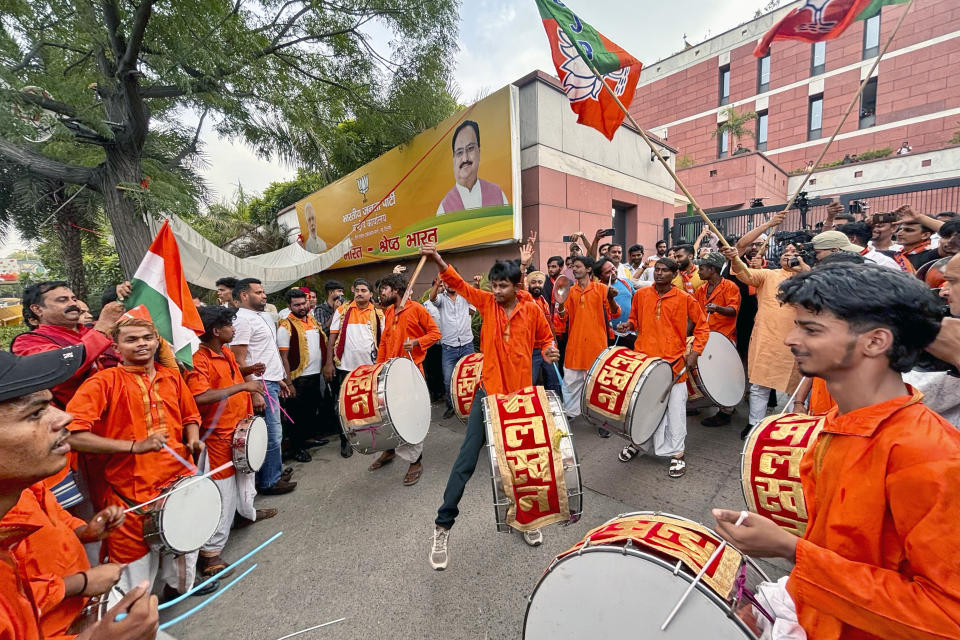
(660, 315)
(408, 332)
(879, 557)
(719, 298)
(32, 448)
(223, 398)
(513, 326)
(138, 414)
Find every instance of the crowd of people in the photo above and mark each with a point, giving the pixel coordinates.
(99, 419)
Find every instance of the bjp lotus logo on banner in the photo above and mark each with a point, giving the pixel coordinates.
(363, 183)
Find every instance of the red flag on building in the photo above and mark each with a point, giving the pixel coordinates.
(576, 47)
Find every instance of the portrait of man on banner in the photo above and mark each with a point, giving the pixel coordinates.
(470, 191)
(312, 242)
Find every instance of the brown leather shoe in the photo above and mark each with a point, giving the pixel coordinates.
(265, 514)
(282, 487)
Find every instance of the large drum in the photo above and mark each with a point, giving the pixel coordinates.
(185, 517)
(719, 375)
(770, 468)
(249, 444)
(464, 383)
(625, 577)
(626, 392)
(533, 465)
(384, 405)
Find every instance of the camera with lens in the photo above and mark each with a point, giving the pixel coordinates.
(858, 206)
(801, 242)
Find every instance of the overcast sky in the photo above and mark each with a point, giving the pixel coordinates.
(501, 41)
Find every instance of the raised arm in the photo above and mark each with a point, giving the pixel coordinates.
(747, 239)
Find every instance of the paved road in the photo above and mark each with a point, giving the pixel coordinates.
(355, 542)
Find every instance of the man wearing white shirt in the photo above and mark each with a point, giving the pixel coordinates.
(470, 191)
(615, 255)
(452, 313)
(255, 340)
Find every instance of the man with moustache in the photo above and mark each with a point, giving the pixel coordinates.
(551, 381)
(32, 447)
(313, 242)
(689, 277)
(225, 291)
(470, 191)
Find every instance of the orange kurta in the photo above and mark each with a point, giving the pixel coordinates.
(725, 294)
(19, 618)
(820, 399)
(587, 313)
(413, 321)
(661, 325)
(506, 342)
(124, 404)
(213, 370)
(879, 558)
(48, 556)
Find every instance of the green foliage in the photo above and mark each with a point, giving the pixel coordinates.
(956, 137)
(8, 333)
(685, 161)
(870, 154)
(280, 195)
(100, 260)
(735, 125)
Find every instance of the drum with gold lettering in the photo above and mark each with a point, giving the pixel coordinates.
(770, 468)
(464, 383)
(625, 577)
(626, 392)
(384, 405)
(719, 375)
(533, 465)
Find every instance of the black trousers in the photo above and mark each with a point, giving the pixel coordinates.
(331, 409)
(305, 409)
(465, 464)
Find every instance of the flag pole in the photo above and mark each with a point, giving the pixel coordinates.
(843, 120)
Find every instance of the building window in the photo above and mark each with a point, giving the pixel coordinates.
(868, 104)
(763, 74)
(815, 117)
(871, 37)
(818, 58)
(762, 130)
(724, 85)
(723, 144)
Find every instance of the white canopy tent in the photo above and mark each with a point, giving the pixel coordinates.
(204, 262)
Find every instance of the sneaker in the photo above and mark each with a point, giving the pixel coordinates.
(438, 554)
(533, 538)
(448, 413)
(678, 467)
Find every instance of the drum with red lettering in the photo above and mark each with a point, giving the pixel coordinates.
(626, 392)
(384, 405)
(533, 465)
(625, 577)
(719, 375)
(464, 383)
(770, 468)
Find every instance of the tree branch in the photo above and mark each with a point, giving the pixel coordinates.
(49, 104)
(162, 91)
(137, 32)
(46, 167)
(192, 146)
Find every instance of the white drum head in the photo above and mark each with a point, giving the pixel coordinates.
(648, 410)
(408, 400)
(609, 594)
(257, 443)
(721, 372)
(190, 516)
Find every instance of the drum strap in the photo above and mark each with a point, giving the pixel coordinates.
(142, 511)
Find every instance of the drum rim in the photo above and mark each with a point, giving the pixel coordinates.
(382, 397)
(634, 551)
(453, 376)
(695, 372)
(350, 434)
(156, 509)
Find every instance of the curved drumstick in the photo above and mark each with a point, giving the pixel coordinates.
(225, 465)
(187, 614)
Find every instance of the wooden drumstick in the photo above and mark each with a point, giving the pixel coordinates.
(703, 570)
(413, 278)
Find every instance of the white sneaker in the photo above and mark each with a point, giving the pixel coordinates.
(438, 554)
(533, 538)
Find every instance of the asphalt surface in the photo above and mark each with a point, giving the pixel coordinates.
(355, 542)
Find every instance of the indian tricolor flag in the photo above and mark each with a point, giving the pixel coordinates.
(160, 286)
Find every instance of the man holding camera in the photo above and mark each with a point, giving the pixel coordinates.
(324, 312)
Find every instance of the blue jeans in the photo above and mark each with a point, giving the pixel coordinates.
(551, 381)
(465, 464)
(272, 467)
(451, 356)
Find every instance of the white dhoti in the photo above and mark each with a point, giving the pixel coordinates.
(778, 603)
(409, 452)
(671, 434)
(236, 496)
(176, 571)
(759, 397)
(573, 381)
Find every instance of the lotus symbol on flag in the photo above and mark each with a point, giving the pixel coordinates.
(816, 24)
(579, 83)
(363, 183)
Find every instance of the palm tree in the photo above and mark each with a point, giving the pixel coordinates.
(735, 125)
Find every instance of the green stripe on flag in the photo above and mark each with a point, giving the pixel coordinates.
(584, 37)
(158, 306)
(874, 8)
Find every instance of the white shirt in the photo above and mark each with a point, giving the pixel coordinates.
(258, 333)
(314, 355)
(359, 346)
(893, 246)
(453, 317)
(472, 198)
(872, 255)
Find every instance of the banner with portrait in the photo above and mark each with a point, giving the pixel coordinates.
(457, 184)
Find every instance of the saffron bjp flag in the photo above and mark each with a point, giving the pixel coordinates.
(817, 20)
(577, 48)
(161, 288)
